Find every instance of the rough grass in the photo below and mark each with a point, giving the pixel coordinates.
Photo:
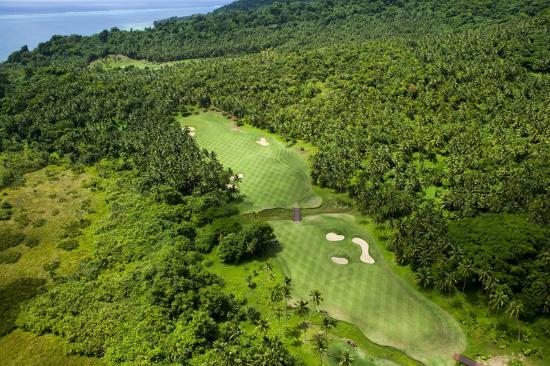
(46, 210)
(23, 348)
(387, 309)
(274, 175)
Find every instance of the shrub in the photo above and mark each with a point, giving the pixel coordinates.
(10, 239)
(9, 257)
(22, 220)
(39, 223)
(32, 242)
(52, 265)
(6, 205)
(68, 244)
(252, 240)
(5, 214)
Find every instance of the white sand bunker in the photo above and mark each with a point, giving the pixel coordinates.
(190, 129)
(365, 256)
(262, 142)
(335, 237)
(339, 260)
(235, 177)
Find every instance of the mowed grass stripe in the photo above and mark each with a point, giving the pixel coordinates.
(274, 176)
(388, 310)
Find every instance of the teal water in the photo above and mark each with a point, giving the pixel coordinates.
(34, 23)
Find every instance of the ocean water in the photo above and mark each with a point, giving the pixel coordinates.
(31, 22)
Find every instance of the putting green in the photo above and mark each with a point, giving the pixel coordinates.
(274, 175)
(371, 296)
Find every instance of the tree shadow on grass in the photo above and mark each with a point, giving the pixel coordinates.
(270, 251)
(12, 296)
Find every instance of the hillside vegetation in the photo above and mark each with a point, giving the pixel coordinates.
(434, 116)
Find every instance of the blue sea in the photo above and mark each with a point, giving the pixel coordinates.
(29, 22)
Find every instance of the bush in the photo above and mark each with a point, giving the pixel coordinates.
(52, 266)
(10, 239)
(252, 240)
(9, 257)
(68, 244)
(6, 205)
(22, 220)
(32, 242)
(39, 223)
(5, 214)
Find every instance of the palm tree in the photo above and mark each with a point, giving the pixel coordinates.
(263, 325)
(498, 299)
(302, 308)
(448, 282)
(315, 298)
(268, 267)
(279, 314)
(327, 324)
(320, 346)
(514, 310)
(287, 296)
(483, 276)
(304, 325)
(465, 269)
(346, 358)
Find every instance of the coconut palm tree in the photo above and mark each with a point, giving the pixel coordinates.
(315, 298)
(262, 326)
(279, 314)
(465, 270)
(514, 310)
(320, 346)
(302, 308)
(498, 299)
(346, 358)
(327, 324)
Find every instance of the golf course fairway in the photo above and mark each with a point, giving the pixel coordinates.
(273, 176)
(373, 297)
(367, 293)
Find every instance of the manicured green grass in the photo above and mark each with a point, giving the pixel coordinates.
(387, 309)
(274, 175)
(367, 352)
(121, 62)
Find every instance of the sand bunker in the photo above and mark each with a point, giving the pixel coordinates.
(365, 256)
(190, 129)
(339, 260)
(262, 142)
(335, 237)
